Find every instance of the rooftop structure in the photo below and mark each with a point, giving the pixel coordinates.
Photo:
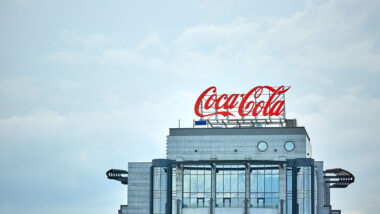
(232, 170)
(242, 156)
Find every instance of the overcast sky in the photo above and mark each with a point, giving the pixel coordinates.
(86, 86)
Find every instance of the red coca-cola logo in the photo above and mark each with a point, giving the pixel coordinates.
(245, 103)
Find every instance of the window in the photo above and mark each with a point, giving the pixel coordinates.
(174, 192)
(303, 192)
(260, 202)
(226, 202)
(200, 202)
(262, 146)
(230, 185)
(264, 186)
(159, 190)
(289, 146)
(304, 189)
(196, 186)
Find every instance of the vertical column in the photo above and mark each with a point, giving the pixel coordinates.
(179, 188)
(320, 186)
(327, 192)
(282, 187)
(294, 190)
(151, 190)
(169, 190)
(312, 190)
(213, 188)
(247, 200)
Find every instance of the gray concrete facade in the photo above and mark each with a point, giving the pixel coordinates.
(139, 181)
(237, 144)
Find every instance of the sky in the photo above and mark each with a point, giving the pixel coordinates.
(86, 86)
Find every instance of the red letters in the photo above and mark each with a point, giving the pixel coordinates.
(248, 106)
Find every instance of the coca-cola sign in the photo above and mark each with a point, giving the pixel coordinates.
(253, 103)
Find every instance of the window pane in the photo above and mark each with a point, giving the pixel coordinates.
(275, 183)
(234, 183)
(254, 182)
(264, 186)
(260, 181)
(193, 202)
(268, 181)
(201, 183)
(227, 183)
(230, 181)
(193, 183)
(207, 183)
(196, 185)
(186, 183)
(219, 202)
(219, 182)
(241, 182)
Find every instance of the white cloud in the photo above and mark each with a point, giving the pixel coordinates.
(322, 37)
(151, 40)
(316, 43)
(122, 56)
(206, 34)
(71, 58)
(85, 40)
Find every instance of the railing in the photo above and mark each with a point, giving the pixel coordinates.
(244, 123)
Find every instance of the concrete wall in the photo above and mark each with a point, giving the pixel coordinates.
(196, 211)
(309, 149)
(138, 188)
(229, 210)
(323, 206)
(264, 210)
(223, 147)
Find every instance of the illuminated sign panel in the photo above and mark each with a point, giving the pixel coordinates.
(260, 102)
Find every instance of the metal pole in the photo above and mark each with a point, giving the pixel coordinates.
(213, 188)
(247, 200)
(294, 189)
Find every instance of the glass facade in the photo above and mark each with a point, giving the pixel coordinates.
(230, 185)
(264, 186)
(159, 190)
(304, 189)
(230, 190)
(196, 186)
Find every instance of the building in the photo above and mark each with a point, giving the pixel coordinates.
(233, 166)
